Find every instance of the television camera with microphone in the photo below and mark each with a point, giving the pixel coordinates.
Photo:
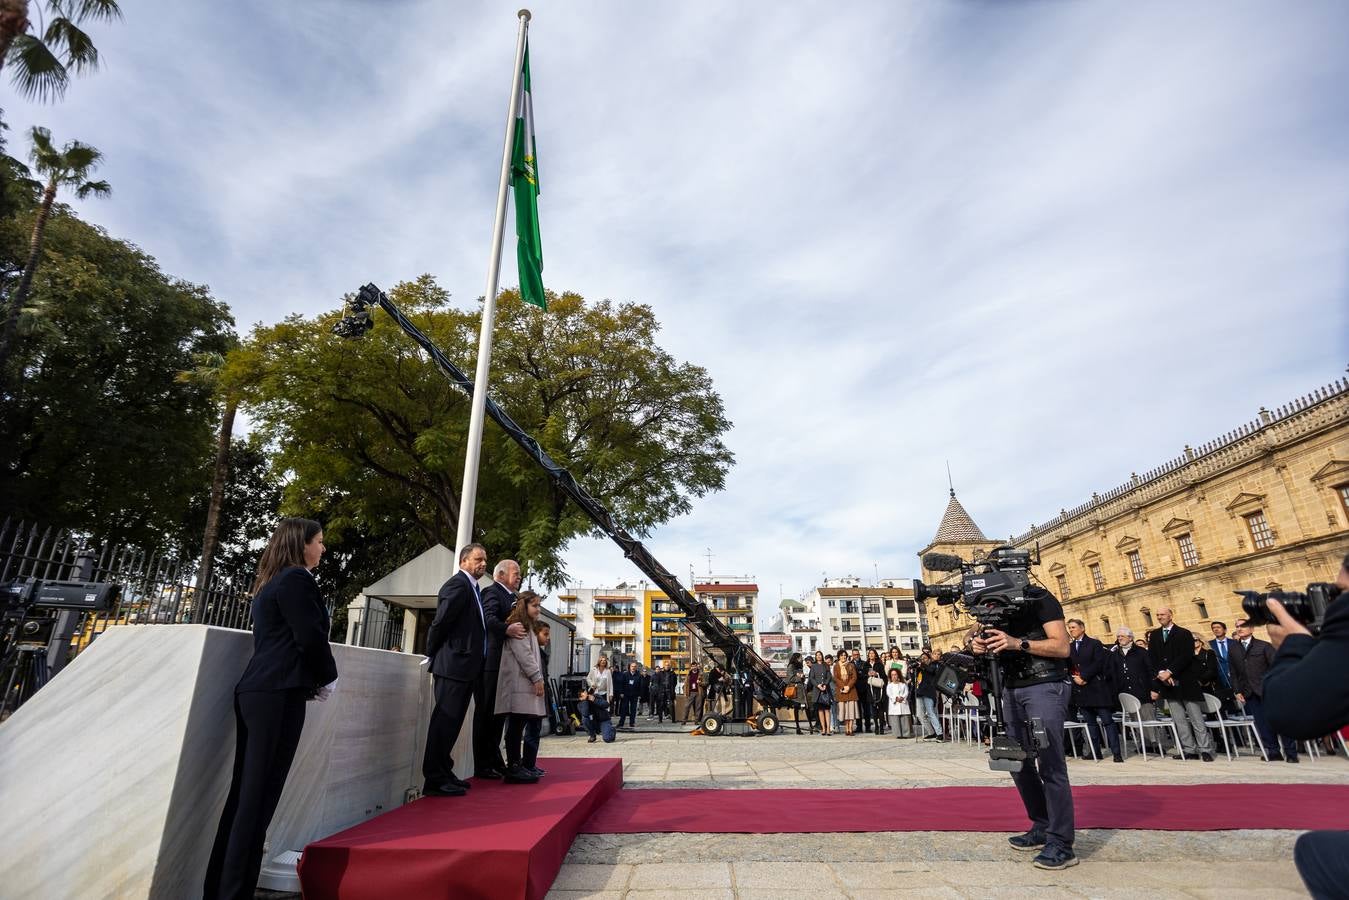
(992, 591)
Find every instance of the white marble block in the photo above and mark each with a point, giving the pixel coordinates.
(113, 776)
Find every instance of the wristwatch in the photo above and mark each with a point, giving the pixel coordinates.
(1025, 646)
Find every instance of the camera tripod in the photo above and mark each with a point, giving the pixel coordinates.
(24, 670)
(1006, 754)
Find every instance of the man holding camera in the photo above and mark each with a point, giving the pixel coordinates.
(1307, 667)
(1034, 652)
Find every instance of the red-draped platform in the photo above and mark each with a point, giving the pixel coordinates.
(1178, 807)
(499, 841)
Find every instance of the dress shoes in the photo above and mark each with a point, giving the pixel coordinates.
(538, 773)
(520, 775)
(1117, 758)
(458, 782)
(1206, 757)
(494, 774)
(1291, 759)
(443, 790)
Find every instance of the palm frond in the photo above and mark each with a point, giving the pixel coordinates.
(42, 142)
(96, 188)
(95, 10)
(38, 74)
(79, 158)
(64, 35)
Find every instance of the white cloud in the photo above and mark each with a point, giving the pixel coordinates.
(1050, 242)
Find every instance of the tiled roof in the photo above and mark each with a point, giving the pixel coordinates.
(956, 525)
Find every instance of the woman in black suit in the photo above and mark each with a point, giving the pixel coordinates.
(291, 664)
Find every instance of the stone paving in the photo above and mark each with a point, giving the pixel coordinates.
(880, 865)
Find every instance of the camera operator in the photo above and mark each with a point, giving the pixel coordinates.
(1306, 697)
(1034, 652)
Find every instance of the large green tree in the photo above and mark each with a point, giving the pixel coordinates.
(372, 437)
(99, 433)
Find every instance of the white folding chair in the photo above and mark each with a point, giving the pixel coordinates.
(974, 722)
(1133, 719)
(1214, 707)
(1070, 726)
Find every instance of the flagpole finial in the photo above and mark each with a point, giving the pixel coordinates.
(524, 14)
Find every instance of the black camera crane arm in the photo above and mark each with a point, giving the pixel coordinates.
(697, 617)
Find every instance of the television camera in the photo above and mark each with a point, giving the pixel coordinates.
(992, 591)
(26, 632)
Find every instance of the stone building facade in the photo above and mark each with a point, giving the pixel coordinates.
(1263, 507)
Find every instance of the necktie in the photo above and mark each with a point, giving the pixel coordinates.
(1166, 633)
(477, 595)
(1222, 650)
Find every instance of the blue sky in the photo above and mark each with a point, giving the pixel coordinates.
(1052, 242)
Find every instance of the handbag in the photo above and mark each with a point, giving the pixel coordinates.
(790, 692)
(875, 681)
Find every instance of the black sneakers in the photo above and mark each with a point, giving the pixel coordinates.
(1031, 840)
(1054, 858)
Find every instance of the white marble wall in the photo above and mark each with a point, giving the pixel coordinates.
(113, 776)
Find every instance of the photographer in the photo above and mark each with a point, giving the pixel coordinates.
(1034, 651)
(1313, 669)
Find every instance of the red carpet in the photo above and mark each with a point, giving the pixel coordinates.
(500, 841)
(1181, 807)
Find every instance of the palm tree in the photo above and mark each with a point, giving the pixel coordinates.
(43, 64)
(68, 167)
(208, 370)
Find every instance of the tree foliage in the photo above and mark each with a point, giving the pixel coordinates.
(42, 55)
(372, 436)
(96, 432)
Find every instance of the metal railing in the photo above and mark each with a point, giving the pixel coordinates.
(156, 588)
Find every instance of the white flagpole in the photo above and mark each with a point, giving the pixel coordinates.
(468, 495)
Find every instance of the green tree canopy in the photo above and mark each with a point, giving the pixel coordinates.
(97, 432)
(371, 436)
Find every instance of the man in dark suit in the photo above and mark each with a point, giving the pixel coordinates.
(497, 600)
(628, 690)
(456, 644)
(1252, 659)
(1093, 690)
(1172, 650)
(662, 690)
(1222, 649)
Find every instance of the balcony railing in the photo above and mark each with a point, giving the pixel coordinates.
(618, 612)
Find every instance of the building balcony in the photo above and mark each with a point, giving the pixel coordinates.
(740, 626)
(614, 612)
(566, 614)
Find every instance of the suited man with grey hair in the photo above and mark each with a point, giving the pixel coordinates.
(497, 600)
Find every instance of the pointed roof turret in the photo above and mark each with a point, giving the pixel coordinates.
(956, 525)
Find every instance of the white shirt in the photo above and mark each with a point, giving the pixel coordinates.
(898, 692)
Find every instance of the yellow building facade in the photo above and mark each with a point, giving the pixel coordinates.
(1263, 507)
(665, 638)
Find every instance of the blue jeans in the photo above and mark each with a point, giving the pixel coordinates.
(1044, 787)
(927, 712)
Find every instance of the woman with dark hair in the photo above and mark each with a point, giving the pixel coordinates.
(874, 680)
(796, 685)
(845, 682)
(519, 695)
(821, 691)
(291, 664)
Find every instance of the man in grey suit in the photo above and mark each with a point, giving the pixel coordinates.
(1251, 661)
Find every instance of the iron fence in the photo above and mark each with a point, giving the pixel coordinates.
(156, 588)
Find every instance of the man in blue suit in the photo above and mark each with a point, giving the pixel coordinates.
(457, 647)
(1093, 689)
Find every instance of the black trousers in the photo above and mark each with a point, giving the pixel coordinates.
(267, 731)
(517, 729)
(447, 720)
(486, 724)
(1322, 859)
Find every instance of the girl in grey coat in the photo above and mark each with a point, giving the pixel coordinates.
(520, 692)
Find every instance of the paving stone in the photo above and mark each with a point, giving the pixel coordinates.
(682, 876)
(583, 895)
(590, 877)
(811, 876)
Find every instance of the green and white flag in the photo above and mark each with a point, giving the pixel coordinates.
(525, 181)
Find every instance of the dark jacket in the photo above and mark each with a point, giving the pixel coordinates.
(819, 675)
(497, 603)
(1134, 673)
(1093, 664)
(927, 687)
(1205, 669)
(1177, 655)
(1249, 665)
(663, 683)
(456, 640)
(628, 684)
(290, 636)
(1307, 689)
